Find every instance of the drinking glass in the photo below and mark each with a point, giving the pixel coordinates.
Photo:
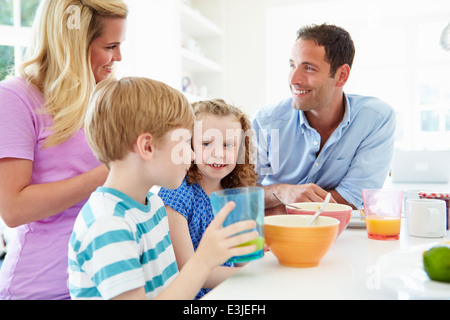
(249, 206)
(383, 210)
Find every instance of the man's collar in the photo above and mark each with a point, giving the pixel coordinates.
(304, 124)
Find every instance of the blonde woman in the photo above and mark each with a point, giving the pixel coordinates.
(47, 170)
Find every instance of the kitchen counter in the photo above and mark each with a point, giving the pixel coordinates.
(355, 267)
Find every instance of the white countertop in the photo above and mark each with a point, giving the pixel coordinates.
(349, 270)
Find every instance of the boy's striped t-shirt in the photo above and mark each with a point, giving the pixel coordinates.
(118, 245)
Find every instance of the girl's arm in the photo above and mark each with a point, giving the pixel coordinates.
(184, 249)
(21, 202)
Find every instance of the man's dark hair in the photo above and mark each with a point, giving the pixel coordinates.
(339, 47)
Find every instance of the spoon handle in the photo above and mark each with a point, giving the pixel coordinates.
(286, 204)
(323, 206)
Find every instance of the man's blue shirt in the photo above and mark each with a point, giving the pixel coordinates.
(356, 156)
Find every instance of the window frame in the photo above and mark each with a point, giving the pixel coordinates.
(16, 35)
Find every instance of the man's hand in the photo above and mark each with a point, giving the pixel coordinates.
(294, 193)
(297, 193)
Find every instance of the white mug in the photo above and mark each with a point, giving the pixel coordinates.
(426, 217)
(409, 194)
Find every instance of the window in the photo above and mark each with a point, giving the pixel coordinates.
(398, 59)
(432, 74)
(16, 18)
(6, 15)
(6, 61)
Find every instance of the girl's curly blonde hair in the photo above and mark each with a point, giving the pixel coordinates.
(244, 174)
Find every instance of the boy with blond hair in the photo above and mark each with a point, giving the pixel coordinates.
(120, 247)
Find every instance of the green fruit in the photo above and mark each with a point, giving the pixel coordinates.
(436, 262)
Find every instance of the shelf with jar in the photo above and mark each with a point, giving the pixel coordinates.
(201, 50)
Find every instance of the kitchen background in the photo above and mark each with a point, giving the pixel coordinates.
(238, 50)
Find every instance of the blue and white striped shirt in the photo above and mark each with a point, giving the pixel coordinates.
(118, 245)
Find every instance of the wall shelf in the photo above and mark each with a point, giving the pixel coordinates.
(202, 49)
(197, 25)
(184, 45)
(197, 63)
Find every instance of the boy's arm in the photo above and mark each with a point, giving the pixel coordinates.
(217, 245)
(136, 294)
(184, 249)
(184, 287)
(188, 282)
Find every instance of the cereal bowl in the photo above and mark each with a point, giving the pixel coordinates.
(338, 211)
(295, 243)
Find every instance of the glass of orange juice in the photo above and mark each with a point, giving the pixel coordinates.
(383, 210)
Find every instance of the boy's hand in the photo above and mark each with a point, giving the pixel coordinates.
(219, 244)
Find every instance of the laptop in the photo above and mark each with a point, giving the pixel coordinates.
(420, 166)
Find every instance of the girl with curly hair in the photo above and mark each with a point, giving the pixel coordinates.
(224, 158)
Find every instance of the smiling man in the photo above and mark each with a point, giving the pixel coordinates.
(321, 139)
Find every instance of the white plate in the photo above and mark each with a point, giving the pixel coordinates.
(357, 220)
(402, 270)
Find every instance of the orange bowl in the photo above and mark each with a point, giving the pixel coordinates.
(294, 243)
(338, 211)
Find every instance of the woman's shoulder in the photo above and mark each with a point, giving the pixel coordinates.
(17, 85)
(19, 88)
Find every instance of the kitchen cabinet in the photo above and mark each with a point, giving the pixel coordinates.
(202, 48)
(178, 42)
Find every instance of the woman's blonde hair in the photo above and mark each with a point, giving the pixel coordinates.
(59, 60)
(121, 110)
(244, 174)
